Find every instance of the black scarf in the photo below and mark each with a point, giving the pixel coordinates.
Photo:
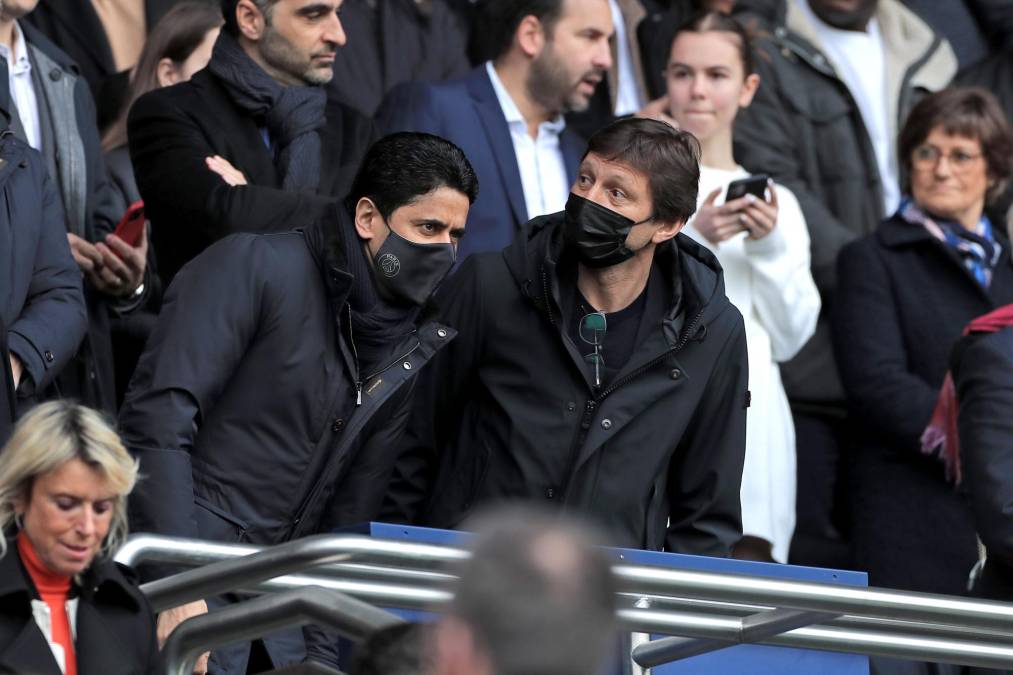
(291, 114)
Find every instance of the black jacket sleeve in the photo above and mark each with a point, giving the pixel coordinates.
(983, 375)
(168, 150)
(47, 332)
(209, 317)
(871, 353)
(440, 391)
(705, 475)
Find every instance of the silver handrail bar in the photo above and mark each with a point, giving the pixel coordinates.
(918, 626)
(252, 619)
(292, 556)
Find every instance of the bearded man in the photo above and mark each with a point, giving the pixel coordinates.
(507, 114)
(250, 144)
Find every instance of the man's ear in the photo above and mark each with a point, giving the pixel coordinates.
(530, 36)
(251, 20)
(367, 218)
(667, 230)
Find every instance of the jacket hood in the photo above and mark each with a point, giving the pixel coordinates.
(697, 279)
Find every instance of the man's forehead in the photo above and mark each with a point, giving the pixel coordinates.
(613, 168)
(591, 12)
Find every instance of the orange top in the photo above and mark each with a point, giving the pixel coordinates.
(53, 589)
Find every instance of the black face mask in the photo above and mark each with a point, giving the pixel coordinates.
(596, 233)
(407, 271)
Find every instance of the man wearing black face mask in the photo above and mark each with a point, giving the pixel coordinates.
(599, 366)
(279, 376)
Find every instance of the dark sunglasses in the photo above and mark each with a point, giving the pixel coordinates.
(592, 331)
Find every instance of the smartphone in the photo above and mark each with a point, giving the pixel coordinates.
(753, 185)
(132, 224)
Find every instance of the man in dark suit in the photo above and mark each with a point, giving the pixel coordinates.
(249, 144)
(507, 113)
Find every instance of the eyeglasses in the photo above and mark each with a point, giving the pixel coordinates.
(592, 331)
(926, 157)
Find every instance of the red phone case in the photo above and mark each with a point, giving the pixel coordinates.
(132, 223)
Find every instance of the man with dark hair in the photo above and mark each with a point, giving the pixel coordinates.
(249, 144)
(400, 649)
(535, 597)
(547, 57)
(599, 368)
(277, 380)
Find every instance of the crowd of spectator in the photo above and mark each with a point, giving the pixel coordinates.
(694, 270)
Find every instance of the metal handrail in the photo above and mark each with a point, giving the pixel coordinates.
(713, 609)
(252, 619)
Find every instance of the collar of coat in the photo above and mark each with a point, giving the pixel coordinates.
(324, 240)
(694, 272)
(105, 582)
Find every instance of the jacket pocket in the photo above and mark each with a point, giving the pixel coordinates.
(217, 524)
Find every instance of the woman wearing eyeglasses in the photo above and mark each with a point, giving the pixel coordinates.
(762, 244)
(905, 293)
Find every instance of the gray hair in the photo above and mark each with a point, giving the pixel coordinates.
(49, 436)
(538, 596)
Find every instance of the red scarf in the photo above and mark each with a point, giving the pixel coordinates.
(54, 590)
(941, 433)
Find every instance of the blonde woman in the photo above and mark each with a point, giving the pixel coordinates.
(65, 607)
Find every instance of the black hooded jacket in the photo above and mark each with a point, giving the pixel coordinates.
(508, 411)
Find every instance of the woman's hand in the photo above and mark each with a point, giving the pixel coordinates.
(720, 223)
(170, 618)
(760, 217)
(657, 110)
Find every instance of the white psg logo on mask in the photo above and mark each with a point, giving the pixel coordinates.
(389, 265)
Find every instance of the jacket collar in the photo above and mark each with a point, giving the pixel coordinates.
(696, 276)
(324, 241)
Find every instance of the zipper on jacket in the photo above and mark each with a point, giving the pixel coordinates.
(355, 357)
(593, 403)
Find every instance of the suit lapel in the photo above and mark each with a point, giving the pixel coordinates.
(96, 645)
(572, 146)
(494, 122)
(29, 653)
(248, 152)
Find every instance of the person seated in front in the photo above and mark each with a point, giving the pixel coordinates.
(65, 606)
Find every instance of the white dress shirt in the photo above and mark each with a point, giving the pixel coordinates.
(859, 59)
(628, 97)
(19, 82)
(540, 160)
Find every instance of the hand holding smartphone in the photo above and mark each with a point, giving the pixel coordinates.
(755, 185)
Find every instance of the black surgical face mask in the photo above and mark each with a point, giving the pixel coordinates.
(407, 271)
(596, 233)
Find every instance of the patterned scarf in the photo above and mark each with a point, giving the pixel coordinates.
(291, 114)
(978, 250)
(941, 435)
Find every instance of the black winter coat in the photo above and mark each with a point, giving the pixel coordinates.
(172, 130)
(243, 408)
(42, 309)
(115, 626)
(805, 130)
(516, 416)
(903, 300)
(983, 375)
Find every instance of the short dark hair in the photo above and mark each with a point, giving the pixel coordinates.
(669, 157)
(401, 167)
(537, 595)
(496, 22)
(961, 111)
(400, 649)
(229, 12)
